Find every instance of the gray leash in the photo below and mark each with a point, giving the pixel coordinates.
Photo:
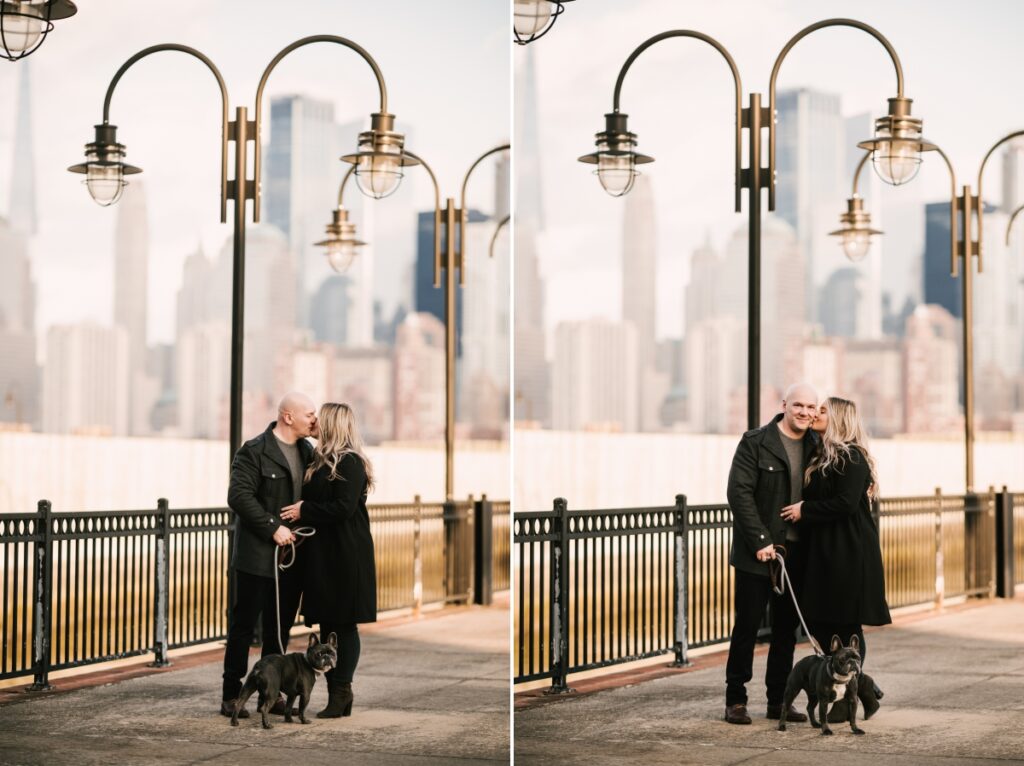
(781, 588)
(298, 532)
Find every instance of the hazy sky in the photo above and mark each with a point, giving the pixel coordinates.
(963, 66)
(446, 64)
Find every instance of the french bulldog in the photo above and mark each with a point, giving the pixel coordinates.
(824, 679)
(294, 674)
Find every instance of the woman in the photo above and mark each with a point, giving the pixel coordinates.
(844, 584)
(340, 581)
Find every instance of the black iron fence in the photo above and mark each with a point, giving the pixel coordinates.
(595, 588)
(88, 587)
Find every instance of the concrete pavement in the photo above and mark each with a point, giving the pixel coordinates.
(429, 691)
(954, 694)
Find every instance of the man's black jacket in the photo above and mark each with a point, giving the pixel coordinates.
(758, 491)
(261, 485)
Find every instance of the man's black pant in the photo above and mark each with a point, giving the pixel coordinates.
(751, 595)
(255, 595)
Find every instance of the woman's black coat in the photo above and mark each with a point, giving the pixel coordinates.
(845, 581)
(340, 579)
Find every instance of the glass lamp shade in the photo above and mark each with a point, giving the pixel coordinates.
(856, 243)
(23, 27)
(378, 174)
(896, 158)
(341, 254)
(616, 172)
(531, 16)
(105, 183)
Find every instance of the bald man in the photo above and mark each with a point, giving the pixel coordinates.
(766, 476)
(266, 476)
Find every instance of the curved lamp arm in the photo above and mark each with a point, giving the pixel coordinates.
(224, 108)
(735, 75)
(1013, 218)
(437, 217)
(341, 189)
(981, 199)
(775, 74)
(257, 116)
(464, 214)
(497, 230)
(860, 166)
(953, 229)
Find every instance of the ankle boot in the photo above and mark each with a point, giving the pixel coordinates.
(840, 712)
(869, 694)
(339, 700)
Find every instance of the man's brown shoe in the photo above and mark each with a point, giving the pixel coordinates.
(737, 714)
(227, 708)
(775, 713)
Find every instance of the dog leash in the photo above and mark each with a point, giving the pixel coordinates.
(780, 588)
(301, 533)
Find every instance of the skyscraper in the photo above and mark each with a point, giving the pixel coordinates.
(419, 401)
(329, 310)
(930, 397)
(639, 267)
(939, 287)
(810, 164)
(23, 173)
(131, 265)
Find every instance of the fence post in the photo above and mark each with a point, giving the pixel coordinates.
(161, 609)
(417, 558)
(1005, 576)
(681, 581)
(483, 552)
(940, 575)
(973, 562)
(42, 585)
(456, 581)
(559, 650)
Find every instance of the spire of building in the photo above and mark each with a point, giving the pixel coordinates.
(23, 177)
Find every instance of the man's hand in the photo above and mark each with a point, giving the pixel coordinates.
(766, 553)
(291, 512)
(283, 536)
(792, 512)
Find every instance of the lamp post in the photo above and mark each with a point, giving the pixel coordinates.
(532, 19)
(341, 233)
(966, 218)
(24, 24)
(105, 169)
(341, 245)
(898, 135)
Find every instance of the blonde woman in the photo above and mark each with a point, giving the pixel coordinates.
(844, 582)
(340, 581)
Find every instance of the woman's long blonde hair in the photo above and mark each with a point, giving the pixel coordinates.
(339, 436)
(843, 433)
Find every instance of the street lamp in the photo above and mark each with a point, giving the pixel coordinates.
(105, 169)
(532, 19)
(617, 159)
(24, 24)
(963, 210)
(855, 234)
(341, 245)
(453, 220)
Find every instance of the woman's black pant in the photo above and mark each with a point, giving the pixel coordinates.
(348, 651)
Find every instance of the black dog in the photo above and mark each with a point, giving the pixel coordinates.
(294, 674)
(820, 677)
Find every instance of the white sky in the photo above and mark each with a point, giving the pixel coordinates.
(446, 64)
(963, 66)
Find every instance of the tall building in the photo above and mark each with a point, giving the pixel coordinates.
(716, 370)
(841, 302)
(419, 400)
(930, 383)
(330, 310)
(940, 289)
(873, 377)
(869, 189)
(639, 268)
(365, 379)
(531, 387)
(22, 214)
(131, 268)
(594, 381)
(203, 372)
(811, 180)
(85, 381)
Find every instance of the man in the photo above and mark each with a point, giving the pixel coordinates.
(266, 476)
(767, 475)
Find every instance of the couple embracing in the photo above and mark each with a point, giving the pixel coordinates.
(281, 484)
(801, 487)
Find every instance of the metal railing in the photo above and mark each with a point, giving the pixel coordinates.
(87, 587)
(595, 588)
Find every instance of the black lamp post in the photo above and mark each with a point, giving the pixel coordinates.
(898, 136)
(24, 24)
(105, 173)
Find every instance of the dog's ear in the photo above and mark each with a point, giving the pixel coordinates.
(855, 644)
(314, 639)
(333, 640)
(836, 645)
